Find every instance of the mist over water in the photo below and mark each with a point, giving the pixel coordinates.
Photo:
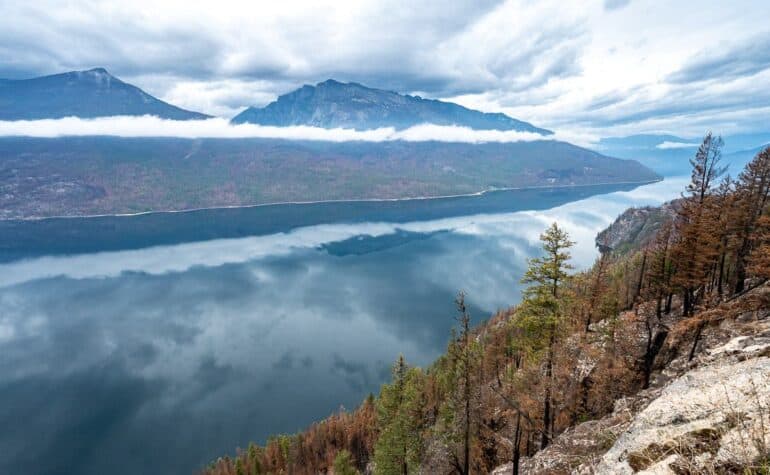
(153, 355)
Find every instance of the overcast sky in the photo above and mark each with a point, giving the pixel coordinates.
(608, 67)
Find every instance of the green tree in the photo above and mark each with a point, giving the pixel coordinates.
(461, 412)
(540, 311)
(254, 454)
(343, 464)
(546, 274)
(398, 447)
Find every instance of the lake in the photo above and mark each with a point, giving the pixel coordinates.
(155, 343)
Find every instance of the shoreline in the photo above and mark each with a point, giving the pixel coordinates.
(351, 200)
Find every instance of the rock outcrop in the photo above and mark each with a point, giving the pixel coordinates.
(634, 228)
(710, 420)
(706, 414)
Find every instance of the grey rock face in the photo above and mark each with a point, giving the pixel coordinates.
(331, 104)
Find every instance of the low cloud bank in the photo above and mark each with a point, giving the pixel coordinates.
(669, 145)
(150, 126)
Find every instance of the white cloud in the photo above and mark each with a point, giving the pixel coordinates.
(669, 145)
(151, 126)
(585, 66)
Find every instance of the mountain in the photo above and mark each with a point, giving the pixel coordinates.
(666, 154)
(86, 94)
(670, 154)
(331, 104)
(740, 158)
(106, 175)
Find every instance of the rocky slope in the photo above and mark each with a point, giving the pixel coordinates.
(635, 228)
(706, 414)
(332, 104)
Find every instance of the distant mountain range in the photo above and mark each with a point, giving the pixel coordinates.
(332, 104)
(670, 154)
(86, 94)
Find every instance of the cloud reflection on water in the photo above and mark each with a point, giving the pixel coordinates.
(169, 356)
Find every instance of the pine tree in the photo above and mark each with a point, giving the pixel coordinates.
(343, 464)
(759, 259)
(460, 412)
(752, 194)
(705, 167)
(722, 221)
(660, 268)
(695, 249)
(254, 459)
(398, 448)
(540, 311)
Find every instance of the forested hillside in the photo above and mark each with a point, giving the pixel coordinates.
(76, 176)
(536, 389)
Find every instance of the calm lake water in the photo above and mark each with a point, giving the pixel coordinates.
(154, 344)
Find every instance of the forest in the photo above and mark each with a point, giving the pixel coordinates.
(576, 343)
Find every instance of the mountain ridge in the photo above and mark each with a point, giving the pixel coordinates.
(332, 104)
(86, 94)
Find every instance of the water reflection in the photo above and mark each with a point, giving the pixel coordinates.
(156, 360)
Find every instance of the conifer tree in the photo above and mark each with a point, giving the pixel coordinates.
(397, 450)
(694, 250)
(660, 268)
(722, 222)
(759, 259)
(343, 464)
(254, 455)
(540, 311)
(752, 195)
(461, 412)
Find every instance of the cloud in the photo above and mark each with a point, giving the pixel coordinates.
(741, 59)
(283, 45)
(599, 67)
(151, 126)
(615, 4)
(669, 145)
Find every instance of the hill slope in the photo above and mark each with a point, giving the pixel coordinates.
(332, 104)
(105, 175)
(86, 94)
